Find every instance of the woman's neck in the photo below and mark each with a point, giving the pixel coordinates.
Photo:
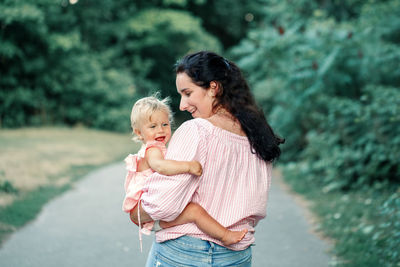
(225, 120)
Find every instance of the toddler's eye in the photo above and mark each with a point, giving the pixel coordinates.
(165, 124)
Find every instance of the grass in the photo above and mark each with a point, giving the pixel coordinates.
(37, 164)
(364, 223)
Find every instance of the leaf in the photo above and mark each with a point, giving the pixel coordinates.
(328, 62)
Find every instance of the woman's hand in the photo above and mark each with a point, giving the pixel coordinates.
(144, 217)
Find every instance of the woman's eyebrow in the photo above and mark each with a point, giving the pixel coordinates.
(183, 90)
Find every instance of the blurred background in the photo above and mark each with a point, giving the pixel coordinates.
(325, 72)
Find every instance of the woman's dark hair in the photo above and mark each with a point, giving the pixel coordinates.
(235, 96)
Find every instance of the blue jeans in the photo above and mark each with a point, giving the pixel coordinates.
(189, 251)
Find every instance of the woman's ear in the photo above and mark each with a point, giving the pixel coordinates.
(214, 88)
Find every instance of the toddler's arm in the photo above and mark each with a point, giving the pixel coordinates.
(156, 161)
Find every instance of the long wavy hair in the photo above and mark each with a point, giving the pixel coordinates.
(235, 96)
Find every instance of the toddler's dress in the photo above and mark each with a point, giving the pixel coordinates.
(135, 181)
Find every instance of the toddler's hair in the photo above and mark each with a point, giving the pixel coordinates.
(144, 108)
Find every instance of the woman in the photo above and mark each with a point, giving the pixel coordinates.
(235, 145)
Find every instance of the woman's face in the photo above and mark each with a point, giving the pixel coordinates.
(194, 99)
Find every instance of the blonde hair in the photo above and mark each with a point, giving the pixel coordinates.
(144, 108)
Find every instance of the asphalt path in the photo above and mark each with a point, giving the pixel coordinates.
(86, 227)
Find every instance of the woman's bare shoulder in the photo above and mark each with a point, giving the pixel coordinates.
(227, 124)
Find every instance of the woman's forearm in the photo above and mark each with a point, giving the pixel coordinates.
(144, 217)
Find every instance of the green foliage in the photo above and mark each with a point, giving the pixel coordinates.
(153, 56)
(328, 78)
(324, 85)
(352, 141)
(7, 187)
(388, 237)
(26, 209)
(50, 76)
(86, 93)
(87, 63)
(228, 20)
(363, 223)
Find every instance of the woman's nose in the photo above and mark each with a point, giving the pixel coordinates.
(182, 105)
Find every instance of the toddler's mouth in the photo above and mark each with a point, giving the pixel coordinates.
(160, 139)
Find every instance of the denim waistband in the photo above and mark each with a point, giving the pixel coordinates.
(197, 243)
(191, 251)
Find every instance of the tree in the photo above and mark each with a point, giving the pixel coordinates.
(87, 62)
(155, 40)
(319, 79)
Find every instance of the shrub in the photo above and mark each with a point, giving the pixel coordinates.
(331, 88)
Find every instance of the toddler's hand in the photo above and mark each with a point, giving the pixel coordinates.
(195, 168)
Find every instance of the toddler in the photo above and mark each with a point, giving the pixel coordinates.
(150, 121)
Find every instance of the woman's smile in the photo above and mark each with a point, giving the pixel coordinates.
(196, 100)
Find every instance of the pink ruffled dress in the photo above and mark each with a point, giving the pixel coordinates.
(135, 181)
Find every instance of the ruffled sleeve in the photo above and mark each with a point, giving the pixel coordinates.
(142, 151)
(157, 144)
(135, 180)
(131, 162)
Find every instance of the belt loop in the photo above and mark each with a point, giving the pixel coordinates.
(210, 253)
(210, 250)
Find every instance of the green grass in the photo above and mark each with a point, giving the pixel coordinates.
(364, 224)
(26, 208)
(38, 164)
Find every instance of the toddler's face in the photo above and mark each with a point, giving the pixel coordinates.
(158, 128)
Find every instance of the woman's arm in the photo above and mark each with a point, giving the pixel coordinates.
(165, 197)
(156, 161)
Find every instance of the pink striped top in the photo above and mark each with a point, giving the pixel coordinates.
(233, 187)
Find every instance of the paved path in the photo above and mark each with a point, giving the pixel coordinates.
(86, 227)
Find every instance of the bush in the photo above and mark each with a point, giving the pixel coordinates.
(331, 88)
(364, 223)
(86, 63)
(328, 79)
(350, 146)
(7, 187)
